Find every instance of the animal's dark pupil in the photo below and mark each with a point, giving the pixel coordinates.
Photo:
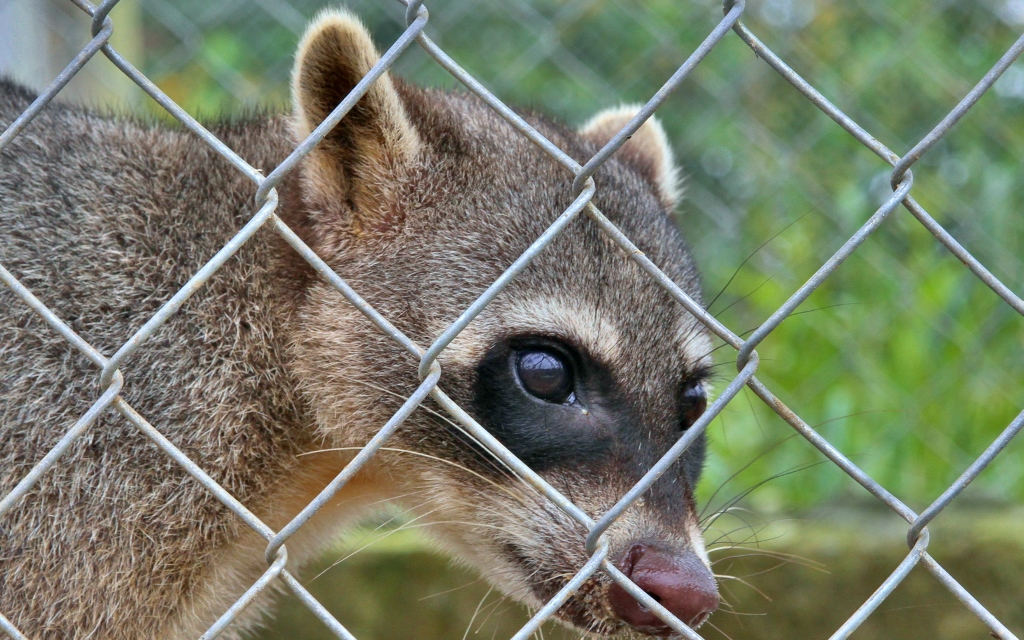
(695, 401)
(545, 375)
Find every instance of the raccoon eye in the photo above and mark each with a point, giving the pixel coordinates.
(545, 374)
(695, 401)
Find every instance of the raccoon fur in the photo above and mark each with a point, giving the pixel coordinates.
(270, 380)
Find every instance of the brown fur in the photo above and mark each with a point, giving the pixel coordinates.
(419, 199)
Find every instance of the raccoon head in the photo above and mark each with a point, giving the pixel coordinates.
(582, 366)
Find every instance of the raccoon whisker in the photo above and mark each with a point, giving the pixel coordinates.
(751, 539)
(757, 573)
(447, 591)
(396, 516)
(494, 605)
(725, 604)
(726, 534)
(510, 524)
(744, 297)
(438, 522)
(536, 507)
(753, 412)
(748, 259)
(741, 514)
(708, 520)
(386, 522)
(388, 499)
(491, 459)
(514, 593)
(787, 557)
(760, 455)
(493, 609)
(514, 525)
(511, 594)
(749, 331)
(477, 612)
(517, 497)
(713, 626)
(746, 583)
(808, 562)
(371, 543)
(712, 350)
(721, 364)
(487, 457)
(734, 508)
(506, 526)
(828, 306)
(424, 455)
(733, 511)
(760, 484)
(755, 530)
(732, 612)
(529, 611)
(489, 608)
(718, 548)
(751, 542)
(741, 334)
(730, 608)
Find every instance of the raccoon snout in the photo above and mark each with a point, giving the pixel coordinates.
(679, 582)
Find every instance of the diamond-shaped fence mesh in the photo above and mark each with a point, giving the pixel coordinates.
(179, 34)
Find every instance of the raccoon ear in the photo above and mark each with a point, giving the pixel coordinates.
(375, 141)
(647, 150)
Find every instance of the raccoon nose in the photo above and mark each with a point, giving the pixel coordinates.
(680, 583)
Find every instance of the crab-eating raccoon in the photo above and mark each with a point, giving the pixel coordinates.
(583, 367)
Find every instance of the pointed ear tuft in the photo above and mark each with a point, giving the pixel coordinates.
(375, 141)
(647, 150)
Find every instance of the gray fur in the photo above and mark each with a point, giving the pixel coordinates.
(105, 217)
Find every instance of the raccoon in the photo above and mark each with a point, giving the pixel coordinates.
(270, 381)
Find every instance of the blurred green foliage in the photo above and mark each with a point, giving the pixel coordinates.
(906, 361)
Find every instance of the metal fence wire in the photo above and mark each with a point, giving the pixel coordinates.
(417, 17)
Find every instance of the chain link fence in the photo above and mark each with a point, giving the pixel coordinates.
(900, 193)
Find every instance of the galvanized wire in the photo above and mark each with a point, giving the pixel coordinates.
(583, 190)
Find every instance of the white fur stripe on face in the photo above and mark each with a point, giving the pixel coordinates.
(695, 342)
(580, 324)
